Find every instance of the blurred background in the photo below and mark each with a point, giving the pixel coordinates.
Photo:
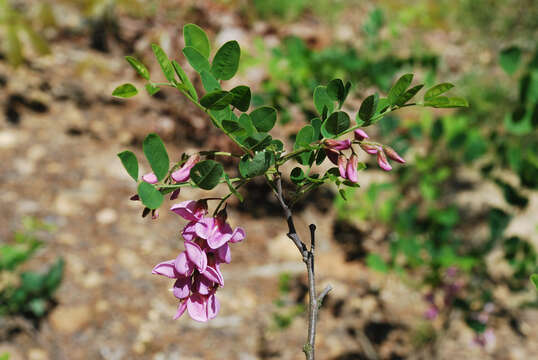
(430, 261)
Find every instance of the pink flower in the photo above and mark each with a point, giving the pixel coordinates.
(431, 313)
(150, 178)
(370, 149)
(351, 169)
(360, 134)
(338, 144)
(190, 210)
(217, 232)
(342, 165)
(392, 154)
(382, 161)
(183, 174)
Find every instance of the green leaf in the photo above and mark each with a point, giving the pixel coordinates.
(140, 68)
(249, 168)
(342, 193)
(196, 37)
(446, 102)
(437, 90)
(408, 95)
(38, 306)
(232, 189)
(375, 262)
(257, 141)
(226, 61)
(53, 278)
(534, 279)
(163, 60)
(216, 100)
(206, 174)
(304, 137)
(382, 105)
(337, 91)
(277, 145)
(246, 124)
(337, 123)
(297, 175)
(399, 88)
(125, 91)
(152, 89)
(367, 110)
(32, 282)
(150, 197)
(264, 118)
(509, 59)
(209, 81)
(130, 163)
(316, 124)
(198, 62)
(322, 100)
(156, 154)
(241, 99)
(185, 80)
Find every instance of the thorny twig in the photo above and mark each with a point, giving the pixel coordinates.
(308, 258)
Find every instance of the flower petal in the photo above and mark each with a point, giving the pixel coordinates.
(150, 178)
(382, 161)
(183, 265)
(224, 254)
(184, 173)
(360, 134)
(185, 209)
(189, 232)
(196, 255)
(180, 309)
(197, 307)
(202, 285)
(213, 306)
(182, 287)
(166, 268)
(214, 274)
(218, 239)
(204, 227)
(351, 169)
(238, 235)
(342, 164)
(175, 194)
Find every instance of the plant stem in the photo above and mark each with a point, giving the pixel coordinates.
(315, 301)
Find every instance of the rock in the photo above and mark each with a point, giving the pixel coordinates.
(107, 216)
(70, 319)
(37, 354)
(282, 248)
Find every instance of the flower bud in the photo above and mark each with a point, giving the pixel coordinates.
(370, 149)
(360, 135)
(382, 161)
(338, 144)
(392, 154)
(184, 173)
(351, 169)
(342, 164)
(332, 155)
(150, 178)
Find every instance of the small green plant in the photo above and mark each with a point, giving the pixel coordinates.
(287, 309)
(26, 293)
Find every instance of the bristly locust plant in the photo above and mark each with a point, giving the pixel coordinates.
(331, 135)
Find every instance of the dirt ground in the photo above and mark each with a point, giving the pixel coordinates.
(59, 137)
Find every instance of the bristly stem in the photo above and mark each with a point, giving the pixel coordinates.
(315, 301)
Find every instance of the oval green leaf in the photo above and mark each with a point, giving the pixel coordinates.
(304, 137)
(446, 102)
(399, 88)
(337, 123)
(140, 68)
(408, 95)
(216, 100)
(437, 90)
(367, 110)
(156, 154)
(197, 38)
(165, 63)
(198, 62)
(336, 90)
(185, 80)
(264, 118)
(241, 98)
(322, 100)
(125, 91)
(249, 168)
(130, 163)
(226, 60)
(206, 174)
(509, 59)
(150, 197)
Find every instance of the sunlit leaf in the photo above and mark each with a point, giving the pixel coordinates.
(140, 68)
(216, 100)
(165, 63)
(156, 155)
(185, 80)
(446, 102)
(198, 62)
(206, 174)
(196, 37)
(130, 163)
(399, 88)
(437, 90)
(226, 60)
(150, 197)
(322, 100)
(125, 91)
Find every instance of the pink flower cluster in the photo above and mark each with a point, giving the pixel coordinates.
(197, 269)
(348, 166)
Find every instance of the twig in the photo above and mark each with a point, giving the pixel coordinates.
(315, 301)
